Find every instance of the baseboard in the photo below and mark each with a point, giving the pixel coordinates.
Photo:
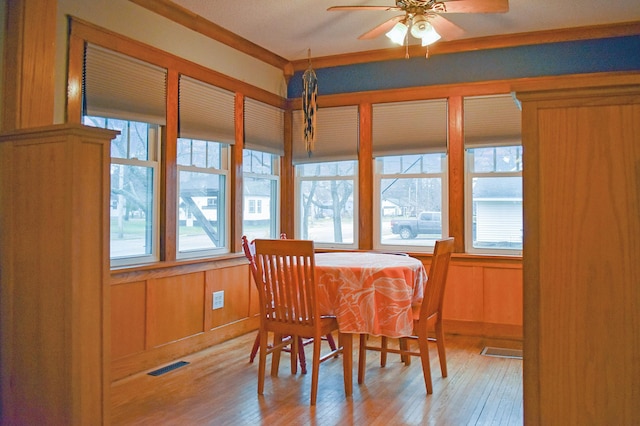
(169, 352)
(482, 329)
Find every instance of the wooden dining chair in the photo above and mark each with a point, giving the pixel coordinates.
(289, 306)
(428, 311)
(249, 252)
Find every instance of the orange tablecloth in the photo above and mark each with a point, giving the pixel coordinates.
(370, 292)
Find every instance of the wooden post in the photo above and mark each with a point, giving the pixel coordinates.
(54, 288)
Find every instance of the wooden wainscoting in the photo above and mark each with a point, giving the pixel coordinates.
(162, 313)
(484, 297)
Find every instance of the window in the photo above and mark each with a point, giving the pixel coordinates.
(409, 147)
(494, 162)
(260, 188)
(326, 202)
(326, 183)
(134, 182)
(411, 199)
(206, 132)
(202, 189)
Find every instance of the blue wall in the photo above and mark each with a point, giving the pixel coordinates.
(575, 57)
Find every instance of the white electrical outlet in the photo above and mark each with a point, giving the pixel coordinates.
(218, 299)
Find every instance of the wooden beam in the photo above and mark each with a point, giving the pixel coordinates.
(29, 58)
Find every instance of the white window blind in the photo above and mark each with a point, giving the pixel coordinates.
(492, 121)
(206, 112)
(119, 86)
(414, 127)
(263, 127)
(336, 135)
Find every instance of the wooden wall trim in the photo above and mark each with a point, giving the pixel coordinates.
(365, 178)
(456, 171)
(197, 23)
(156, 357)
(479, 43)
(236, 200)
(119, 43)
(169, 173)
(75, 68)
(569, 81)
(167, 269)
(287, 180)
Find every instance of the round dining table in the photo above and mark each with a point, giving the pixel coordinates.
(370, 292)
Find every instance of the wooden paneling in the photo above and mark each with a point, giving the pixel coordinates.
(502, 296)
(165, 312)
(54, 191)
(175, 308)
(463, 298)
(128, 307)
(233, 281)
(582, 221)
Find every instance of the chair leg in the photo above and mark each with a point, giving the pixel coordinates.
(404, 346)
(256, 346)
(262, 362)
(346, 341)
(440, 344)
(362, 358)
(301, 357)
(315, 369)
(332, 343)
(423, 341)
(275, 355)
(383, 351)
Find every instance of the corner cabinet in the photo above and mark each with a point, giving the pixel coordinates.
(54, 260)
(582, 256)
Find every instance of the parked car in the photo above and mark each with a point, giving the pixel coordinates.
(425, 223)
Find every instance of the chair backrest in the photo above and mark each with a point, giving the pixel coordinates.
(437, 278)
(249, 252)
(287, 288)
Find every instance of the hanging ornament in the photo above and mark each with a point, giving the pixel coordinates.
(309, 106)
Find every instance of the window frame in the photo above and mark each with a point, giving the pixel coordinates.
(299, 179)
(468, 204)
(154, 134)
(377, 202)
(273, 176)
(224, 170)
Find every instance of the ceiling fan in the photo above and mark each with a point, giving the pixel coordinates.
(423, 18)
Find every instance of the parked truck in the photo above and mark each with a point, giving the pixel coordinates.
(411, 227)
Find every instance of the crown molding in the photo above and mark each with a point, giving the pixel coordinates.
(207, 28)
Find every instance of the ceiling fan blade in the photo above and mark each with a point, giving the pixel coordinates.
(477, 6)
(447, 29)
(382, 28)
(334, 8)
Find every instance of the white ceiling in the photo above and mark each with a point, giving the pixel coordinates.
(289, 28)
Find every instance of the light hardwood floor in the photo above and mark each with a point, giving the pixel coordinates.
(218, 387)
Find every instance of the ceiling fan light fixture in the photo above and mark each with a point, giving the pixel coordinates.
(419, 26)
(430, 36)
(398, 33)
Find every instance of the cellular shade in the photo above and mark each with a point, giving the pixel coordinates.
(263, 127)
(206, 112)
(119, 86)
(492, 121)
(336, 135)
(413, 127)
